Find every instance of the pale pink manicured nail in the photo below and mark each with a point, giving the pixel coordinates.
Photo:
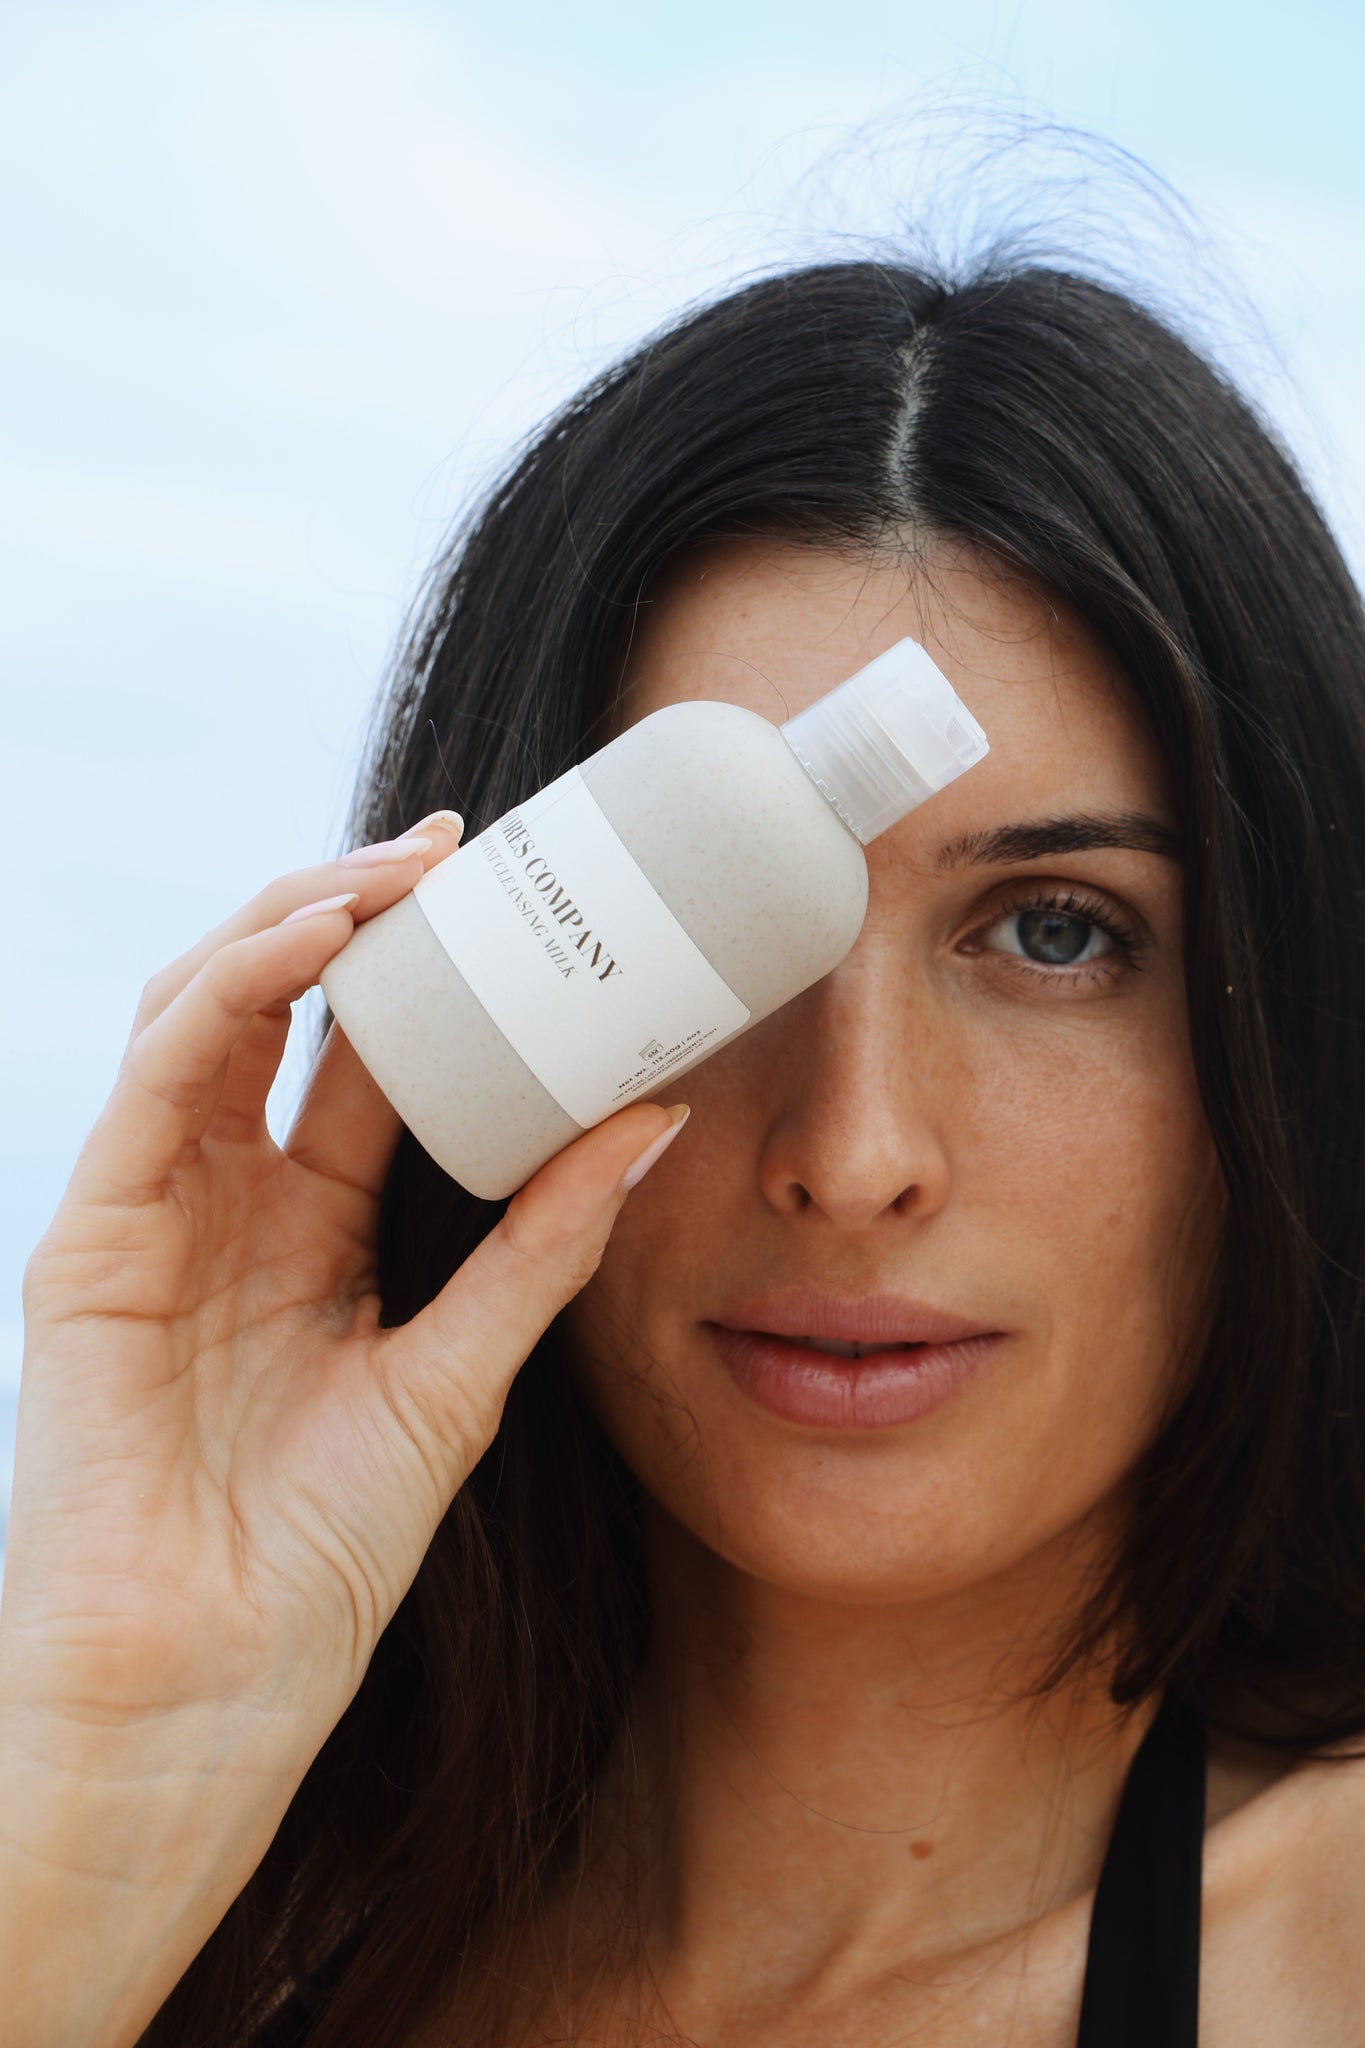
(384, 851)
(316, 909)
(452, 821)
(638, 1168)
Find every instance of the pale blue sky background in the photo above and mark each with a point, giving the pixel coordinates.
(282, 283)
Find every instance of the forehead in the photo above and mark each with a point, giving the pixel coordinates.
(771, 625)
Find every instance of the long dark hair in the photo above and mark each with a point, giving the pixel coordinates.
(1051, 422)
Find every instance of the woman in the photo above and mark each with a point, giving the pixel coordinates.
(437, 1621)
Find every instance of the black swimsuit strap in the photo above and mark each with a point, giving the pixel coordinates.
(1142, 1964)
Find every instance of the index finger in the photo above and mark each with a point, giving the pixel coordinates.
(163, 1095)
(381, 874)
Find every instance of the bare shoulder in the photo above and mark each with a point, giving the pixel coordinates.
(1283, 1953)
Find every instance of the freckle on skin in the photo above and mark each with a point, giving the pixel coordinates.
(919, 1850)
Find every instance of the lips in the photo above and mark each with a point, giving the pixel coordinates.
(840, 1347)
(920, 1356)
(884, 1319)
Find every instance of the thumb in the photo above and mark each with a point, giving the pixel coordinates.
(449, 1369)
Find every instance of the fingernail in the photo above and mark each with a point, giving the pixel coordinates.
(452, 821)
(316, 909)
(638, 1168)
(384, 851)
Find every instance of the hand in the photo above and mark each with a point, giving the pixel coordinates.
(227, 1473)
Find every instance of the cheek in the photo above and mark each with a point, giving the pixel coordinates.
(1086, 1169)
(658, 1271)
(702, 1199)
(1090, 1148)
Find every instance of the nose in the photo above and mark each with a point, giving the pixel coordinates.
(859, 1095)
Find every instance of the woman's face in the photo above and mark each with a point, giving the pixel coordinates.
(988, 1107)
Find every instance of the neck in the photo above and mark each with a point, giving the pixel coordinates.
(845, 1788)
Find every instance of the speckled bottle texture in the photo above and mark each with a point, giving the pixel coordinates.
(722, 854)
(728, 828)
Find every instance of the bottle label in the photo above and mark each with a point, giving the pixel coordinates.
(574, 954)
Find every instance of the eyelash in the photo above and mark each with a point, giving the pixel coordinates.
(1091, 910)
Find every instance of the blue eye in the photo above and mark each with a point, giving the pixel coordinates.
(1054, 938)
(1060, 930)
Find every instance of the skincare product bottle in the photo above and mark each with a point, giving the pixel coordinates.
(638, 913)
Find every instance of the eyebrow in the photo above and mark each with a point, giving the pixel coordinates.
(1085, 832)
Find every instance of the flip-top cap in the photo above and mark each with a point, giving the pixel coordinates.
(887, 738)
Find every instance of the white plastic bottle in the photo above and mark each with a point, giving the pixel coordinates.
(638, 913)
